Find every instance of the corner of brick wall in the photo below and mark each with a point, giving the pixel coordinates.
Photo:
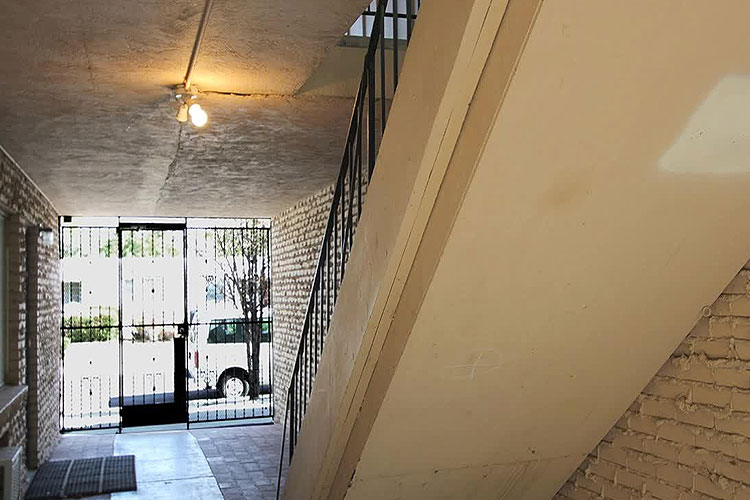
(296, 237)
(33, 314)
(687, 435)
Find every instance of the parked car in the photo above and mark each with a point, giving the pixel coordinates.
(219, 357)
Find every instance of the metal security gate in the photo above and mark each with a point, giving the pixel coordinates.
(229, 340)
(165, 321)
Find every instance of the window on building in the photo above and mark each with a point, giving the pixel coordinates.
(153, 288)
(72, 292)
(128, 293)
(215, 289)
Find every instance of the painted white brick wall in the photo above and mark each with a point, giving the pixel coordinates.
(687, 435)
(33, 316)
(296, 237)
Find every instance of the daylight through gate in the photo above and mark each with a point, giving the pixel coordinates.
(165, 321)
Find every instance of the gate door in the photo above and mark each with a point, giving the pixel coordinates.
(152, 340)
(229, 342)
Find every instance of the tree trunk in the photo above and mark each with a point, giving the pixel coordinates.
(255, 335)
(250, 350)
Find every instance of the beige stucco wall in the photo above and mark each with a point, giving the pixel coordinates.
(607, 209)
(438, 81)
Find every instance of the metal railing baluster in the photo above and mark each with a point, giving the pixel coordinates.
(394, 20)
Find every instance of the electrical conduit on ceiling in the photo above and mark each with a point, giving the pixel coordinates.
(197, 115)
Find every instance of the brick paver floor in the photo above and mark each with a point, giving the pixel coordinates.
(243, 459)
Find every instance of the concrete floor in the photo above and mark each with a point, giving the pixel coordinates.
(231, 463)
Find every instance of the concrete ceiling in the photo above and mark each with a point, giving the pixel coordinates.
(86, 110)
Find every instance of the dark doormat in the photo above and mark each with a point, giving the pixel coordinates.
(83, 477)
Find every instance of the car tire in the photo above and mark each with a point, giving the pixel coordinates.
(233, 383)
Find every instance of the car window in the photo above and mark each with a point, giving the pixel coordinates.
(227, 331)
(234, 331)
(217, 333)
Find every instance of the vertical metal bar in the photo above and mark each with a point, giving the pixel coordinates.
(290, 408)
(121, 401)
(320, 288)
(301, 396)
(271, 366)
(300, 390)
(297, 403)
(380, 16)
(60, 232)
(371, 116)
(322, 319)
(306, 350)
(395, 45)
(281, 453)
(290, 405)
(409, 20)
(327, 289)
(186, 326)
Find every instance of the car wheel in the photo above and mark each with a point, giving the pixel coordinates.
(233, 383)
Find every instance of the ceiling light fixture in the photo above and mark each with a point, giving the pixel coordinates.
(197, 115)
(185, 94)
(182, 113)
(188, 108)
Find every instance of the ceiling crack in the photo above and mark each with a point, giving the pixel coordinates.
(87, 56)
(172, 169)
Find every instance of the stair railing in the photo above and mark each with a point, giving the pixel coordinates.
(366, 128)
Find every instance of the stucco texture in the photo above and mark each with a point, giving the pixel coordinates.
(86, 104)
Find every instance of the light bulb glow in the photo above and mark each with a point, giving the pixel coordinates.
(194, 108)
(199, 118)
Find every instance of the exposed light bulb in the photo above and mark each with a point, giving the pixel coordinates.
(199, 118)
(197, 115)
(194, 108)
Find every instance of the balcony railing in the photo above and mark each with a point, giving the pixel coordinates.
(377, 85)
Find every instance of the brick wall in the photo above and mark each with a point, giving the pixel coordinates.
(33, 311)
(687, 435)
(296, 236)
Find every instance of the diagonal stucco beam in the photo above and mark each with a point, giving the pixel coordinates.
(430, 108)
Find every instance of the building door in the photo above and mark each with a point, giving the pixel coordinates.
(153, 332)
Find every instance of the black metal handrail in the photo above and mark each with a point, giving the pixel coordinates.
(366, 128)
